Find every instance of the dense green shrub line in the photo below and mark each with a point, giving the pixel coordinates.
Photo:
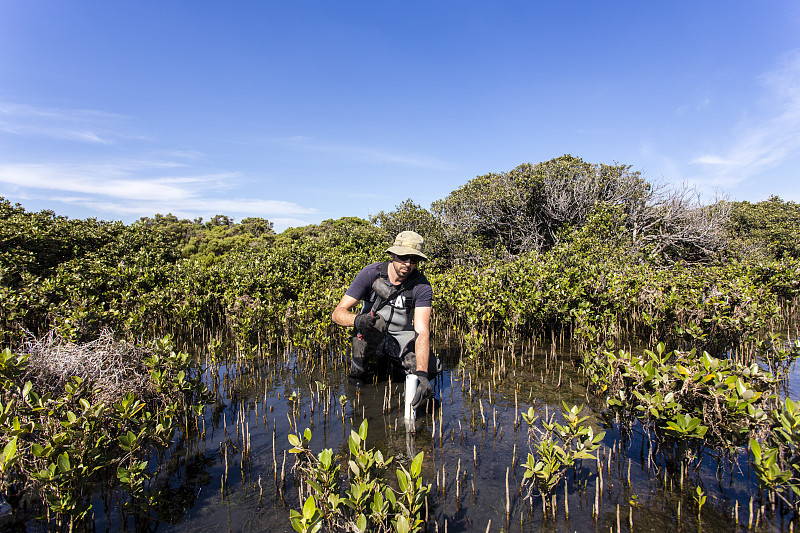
(132, 281)
(595, 293)
(562, 247)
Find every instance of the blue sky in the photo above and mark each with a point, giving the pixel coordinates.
(302, 111)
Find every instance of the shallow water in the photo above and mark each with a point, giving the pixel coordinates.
(452, 437)
(473, 450)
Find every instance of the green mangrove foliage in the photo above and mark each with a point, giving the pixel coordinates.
(556, 448)
(65, 437)
(583, 288)
(208, 241)
(692, 401)
(767, 228)
(685, 395)
(776, 459)
(590, 295)
(367, 502)
(408, 216)
(135, 282)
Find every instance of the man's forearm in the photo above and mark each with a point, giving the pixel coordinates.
(422, 347)
(343, 317)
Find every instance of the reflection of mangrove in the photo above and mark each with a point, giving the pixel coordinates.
(173, 500)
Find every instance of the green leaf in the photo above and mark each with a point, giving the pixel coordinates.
(9, 451)
(740, 388)
(325, 458)
(309, 508)
(361, 523)
(353, 443)
(63, 462)
(416, 465)
(401, 526)
(123, 475)
(403, 480)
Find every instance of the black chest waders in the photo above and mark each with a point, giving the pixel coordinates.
(376, 343)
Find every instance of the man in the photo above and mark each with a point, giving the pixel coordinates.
(397, 300)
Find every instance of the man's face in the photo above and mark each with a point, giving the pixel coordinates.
(404, 265)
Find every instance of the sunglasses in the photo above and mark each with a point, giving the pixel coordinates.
(407, 259)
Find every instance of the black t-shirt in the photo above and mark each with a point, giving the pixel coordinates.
(361, 288)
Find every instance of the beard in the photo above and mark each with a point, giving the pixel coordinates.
(402, 270)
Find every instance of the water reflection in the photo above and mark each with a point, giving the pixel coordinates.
(238, 476)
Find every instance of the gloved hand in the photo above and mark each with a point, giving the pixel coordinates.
(372, 328)
(364, 322)
(424, 390)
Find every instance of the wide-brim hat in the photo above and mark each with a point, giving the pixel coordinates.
(408, 243)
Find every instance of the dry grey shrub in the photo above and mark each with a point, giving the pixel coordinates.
(111, 367)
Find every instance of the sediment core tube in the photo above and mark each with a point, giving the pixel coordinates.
(411, 388)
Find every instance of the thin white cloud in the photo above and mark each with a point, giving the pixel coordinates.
(762, 144)
(106, 180)
(704, 104)
(79, 125)
(699, 106)
(194, 207)
(98, 178)
(713, 160)
(186, 154)
(120, 190)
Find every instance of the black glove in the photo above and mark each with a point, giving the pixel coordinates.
(364, 322)
(424, 390)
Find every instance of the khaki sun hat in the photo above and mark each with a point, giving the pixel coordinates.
(408, 243)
